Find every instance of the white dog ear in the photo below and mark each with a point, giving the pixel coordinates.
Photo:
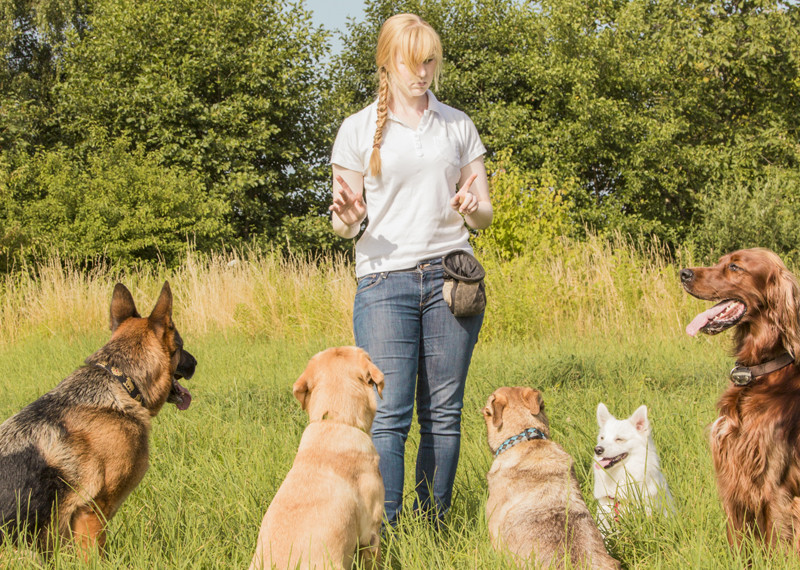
(603, 415)
(639, 419)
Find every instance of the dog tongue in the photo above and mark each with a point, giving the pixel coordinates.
(186, 397)
(703, 318)
(604, 461)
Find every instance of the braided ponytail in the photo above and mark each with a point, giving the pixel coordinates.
(383, 112)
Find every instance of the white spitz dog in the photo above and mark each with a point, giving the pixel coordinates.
(627, 472)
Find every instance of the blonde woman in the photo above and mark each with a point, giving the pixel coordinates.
(415, 166)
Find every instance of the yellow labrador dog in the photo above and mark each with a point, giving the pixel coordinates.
(330, 505)
(535, 508)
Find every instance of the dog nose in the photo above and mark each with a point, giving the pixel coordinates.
(686, 275)
(598, 450)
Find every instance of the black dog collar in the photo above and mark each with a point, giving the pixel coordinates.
(527, 435)
(126, 382)
(743, 375)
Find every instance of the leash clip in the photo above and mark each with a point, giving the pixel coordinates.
(533, 433)
(741, 375)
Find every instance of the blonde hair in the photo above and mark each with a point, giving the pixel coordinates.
(415, 41)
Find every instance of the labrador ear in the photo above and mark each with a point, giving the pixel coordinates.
(494, 409)
(533, 400)
(375, 377)
(300, 390)
(122, 306)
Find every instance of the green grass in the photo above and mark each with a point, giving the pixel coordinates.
(583, 322)
(215, 467)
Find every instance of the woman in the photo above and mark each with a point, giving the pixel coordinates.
(416, 166)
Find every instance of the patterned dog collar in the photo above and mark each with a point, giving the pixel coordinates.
(527, 435)
(126, 382)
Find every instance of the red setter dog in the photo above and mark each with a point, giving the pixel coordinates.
(755, 442)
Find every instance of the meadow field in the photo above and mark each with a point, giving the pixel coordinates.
(601, 320)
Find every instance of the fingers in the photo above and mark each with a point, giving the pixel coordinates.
(468, 183)
(465, 202)
(344, 198)
(343, 184)
(348, 206)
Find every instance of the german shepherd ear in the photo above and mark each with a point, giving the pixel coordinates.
(161, 317)
(300, 390)
(122, 306)
(533, 400)
(494, 409)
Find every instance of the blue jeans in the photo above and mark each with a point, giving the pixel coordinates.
(401, 319)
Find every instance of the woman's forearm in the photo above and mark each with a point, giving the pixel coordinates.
(480, 218)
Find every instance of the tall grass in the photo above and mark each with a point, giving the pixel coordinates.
(572, 288)
(585, 322)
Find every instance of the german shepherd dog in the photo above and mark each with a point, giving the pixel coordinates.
(69, 459)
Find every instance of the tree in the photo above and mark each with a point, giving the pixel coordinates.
(229, 91)
(32, 37)
(638, 107)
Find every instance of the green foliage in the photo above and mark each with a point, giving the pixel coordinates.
(32, 38)
(216, 109)
(116, 204)
(228, 91)
(528, 213)
(644, 115)
(633, 106)
(762, 212)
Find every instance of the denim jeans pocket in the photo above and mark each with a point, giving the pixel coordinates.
(369, 281)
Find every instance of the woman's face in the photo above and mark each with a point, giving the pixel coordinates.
(414, 82)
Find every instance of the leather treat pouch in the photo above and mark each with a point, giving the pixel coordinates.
(463, 288)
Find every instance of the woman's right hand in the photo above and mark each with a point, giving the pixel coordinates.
(347, 204)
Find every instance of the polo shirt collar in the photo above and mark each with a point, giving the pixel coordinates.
(434, 106)
(433, 103)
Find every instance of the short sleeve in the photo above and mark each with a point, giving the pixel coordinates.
(471, 140)
(345, 151)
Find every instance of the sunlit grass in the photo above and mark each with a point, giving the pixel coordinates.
(599, 321)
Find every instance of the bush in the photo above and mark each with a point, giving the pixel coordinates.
(759, 212)
(115, 204)
(529, 211)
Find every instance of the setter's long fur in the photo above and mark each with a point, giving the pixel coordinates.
(755, 442)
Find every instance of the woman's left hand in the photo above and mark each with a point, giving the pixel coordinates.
(465, 202)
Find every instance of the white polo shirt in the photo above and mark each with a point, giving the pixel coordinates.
(408, 204)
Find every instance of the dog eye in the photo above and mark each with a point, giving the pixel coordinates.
(619, 440)
(734, 267)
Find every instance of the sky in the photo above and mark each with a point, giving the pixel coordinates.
(333, 15)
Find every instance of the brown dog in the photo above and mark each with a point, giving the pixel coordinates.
(755, 442)
(535, 508)
(76, 453)
(330, 505)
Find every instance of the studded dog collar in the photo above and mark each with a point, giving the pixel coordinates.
(526, 435)
(123, 379)
(743, 375)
